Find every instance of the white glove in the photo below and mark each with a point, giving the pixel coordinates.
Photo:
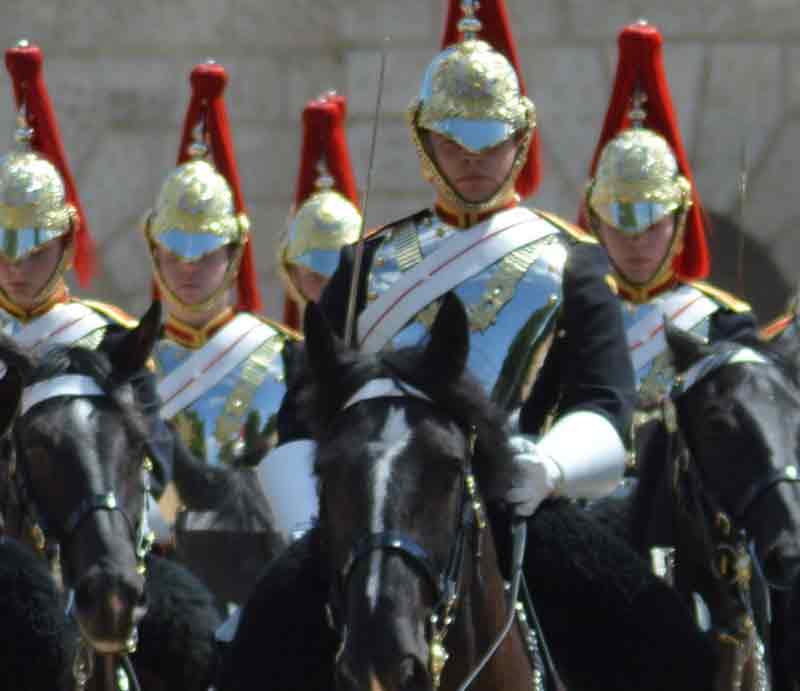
(532, 477)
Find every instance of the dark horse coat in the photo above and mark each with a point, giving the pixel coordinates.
(176, 636)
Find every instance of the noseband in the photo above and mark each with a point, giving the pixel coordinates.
(445, 584)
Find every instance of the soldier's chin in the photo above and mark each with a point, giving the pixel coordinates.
(478, 190)
(640, 275)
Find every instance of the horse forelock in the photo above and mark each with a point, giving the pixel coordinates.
(462, 400)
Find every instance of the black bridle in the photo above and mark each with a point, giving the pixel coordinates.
(731, 514)
(41, 533)
(78, 386)
(445, 583)
(730, 555)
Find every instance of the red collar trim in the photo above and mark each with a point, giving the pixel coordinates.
(192, 337)
(463, 219)
(58, 296)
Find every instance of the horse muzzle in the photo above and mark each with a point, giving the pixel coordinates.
(108, 608)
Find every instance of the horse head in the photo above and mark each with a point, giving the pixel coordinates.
(403, 442)
(735, 476)
(80, 472)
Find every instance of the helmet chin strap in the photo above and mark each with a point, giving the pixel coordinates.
(642, 292)
(451, 199)
(54, 281)
(218, 296)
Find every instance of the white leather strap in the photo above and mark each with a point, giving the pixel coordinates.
(62, 325)
(685, 308)
(454, 261)
(204, 368)
(703, 367)
(384, 388)
(65, 385)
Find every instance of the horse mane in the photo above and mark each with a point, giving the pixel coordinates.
(463, 399)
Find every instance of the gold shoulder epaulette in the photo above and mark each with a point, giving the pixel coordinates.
(114, 313)
(775, 327)
(416, 216)
(570, 229)
(281, 328)
(723, 297)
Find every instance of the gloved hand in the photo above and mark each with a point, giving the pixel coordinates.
(528, 481)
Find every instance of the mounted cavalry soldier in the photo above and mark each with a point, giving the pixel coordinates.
(546, 340)
(325, 215)
(220, 365)
(642, 204)
(43, 228)
(546, 333)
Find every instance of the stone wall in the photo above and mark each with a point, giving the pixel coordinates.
(117, 73)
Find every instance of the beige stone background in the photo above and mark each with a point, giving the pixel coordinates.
(117, 72)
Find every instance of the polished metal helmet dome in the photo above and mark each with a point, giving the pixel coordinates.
(33, 206)
(322, 225)
(637, 182)
(472, 95)
(194, 213)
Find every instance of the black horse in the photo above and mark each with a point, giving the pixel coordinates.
(399, 557)
(719, 483)
(76, 487)
(225, 532)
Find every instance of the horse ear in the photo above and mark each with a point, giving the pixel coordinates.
(15, 369)
(322, 347)
(132, 351)
(448, 347)
(685, 346)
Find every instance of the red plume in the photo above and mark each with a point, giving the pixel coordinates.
(641, 64)
(323, 140)
(496, 32)
(208, 84)
(25, 64)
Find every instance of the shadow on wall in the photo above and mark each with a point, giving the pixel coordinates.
(762, 283)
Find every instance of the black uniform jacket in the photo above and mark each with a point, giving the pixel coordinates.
(587, 366)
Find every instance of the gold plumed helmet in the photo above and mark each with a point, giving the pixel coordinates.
(38, 196)
(321, 227)
(326, 215)
(637, 182)
(33, 206)
(200, 207)
(640, 172)
(194, 213)
(471, 94)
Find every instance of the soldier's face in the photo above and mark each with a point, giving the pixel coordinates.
(309, 283)
(638, 257)
(476, 177)
(24, 280)
(193, 282)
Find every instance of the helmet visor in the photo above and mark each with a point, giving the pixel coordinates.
(191, 247)
(632, 218)
(18, 243)
(323, 262)
(474, 135)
